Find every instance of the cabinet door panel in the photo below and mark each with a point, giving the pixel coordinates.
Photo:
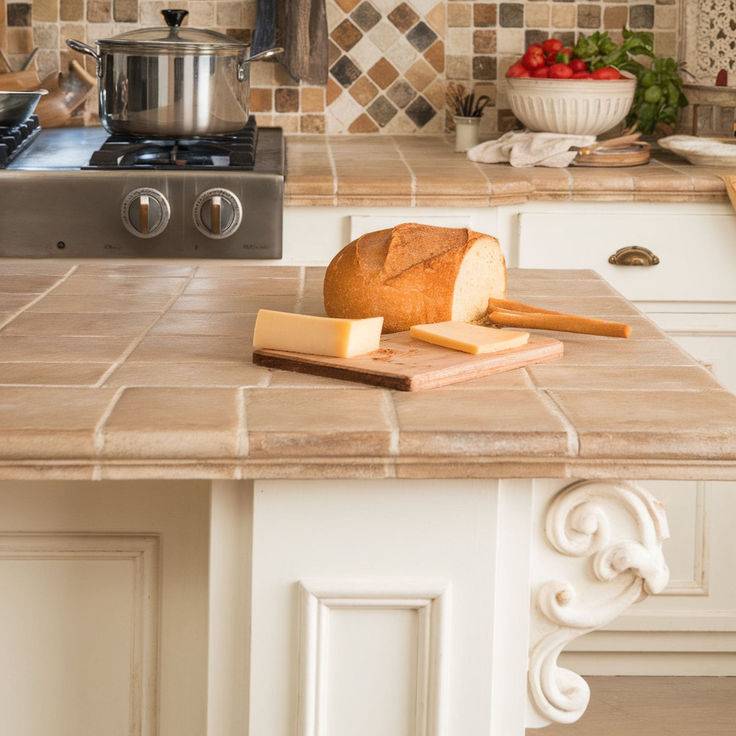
(103, 612)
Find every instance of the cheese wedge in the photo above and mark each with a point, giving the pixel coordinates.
(469, 338)
(303, 333)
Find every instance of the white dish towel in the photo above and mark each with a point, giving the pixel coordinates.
(524, 148)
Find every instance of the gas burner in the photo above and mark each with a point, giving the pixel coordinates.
(218, 153)
(15, 139)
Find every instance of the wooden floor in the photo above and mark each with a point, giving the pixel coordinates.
(655, 706)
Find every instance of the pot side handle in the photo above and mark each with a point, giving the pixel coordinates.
(87, 50)
(267, 54)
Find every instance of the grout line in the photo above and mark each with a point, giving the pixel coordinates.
(243, 444)
(333, 167)
(137, 341)
(301, 288)
(413, 176)
(393, 419)
(39, 297)
(99, 436)
(573, 441)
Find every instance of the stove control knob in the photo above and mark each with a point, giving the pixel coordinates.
(218, 213)
(145, 212)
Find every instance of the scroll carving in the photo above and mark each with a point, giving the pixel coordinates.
(578, 525)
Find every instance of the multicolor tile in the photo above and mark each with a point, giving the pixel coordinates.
(389, 60)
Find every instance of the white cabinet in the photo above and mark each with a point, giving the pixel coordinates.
(696, 251)
(103, 621)
(691, 294)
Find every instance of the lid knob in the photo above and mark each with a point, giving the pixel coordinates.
(174, 17)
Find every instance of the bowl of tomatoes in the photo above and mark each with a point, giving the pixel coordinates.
(551, 90)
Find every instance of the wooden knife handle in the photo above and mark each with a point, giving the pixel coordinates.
(559, 323)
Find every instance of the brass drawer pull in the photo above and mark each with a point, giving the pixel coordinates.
(633, 255)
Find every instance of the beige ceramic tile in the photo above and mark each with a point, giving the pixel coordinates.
(623, 378)
(42, 422)
(226, 324)
(236, 269)
(37, 323)
(34, 267)
(652, 424)
(52, 374)
(516, 379)
(586, 306)
(188, 374)
(100, 303)
(242, 304)
(190, 349)
(14, 302)
(139, 270)
(242, 287)
(585, 350)
(174, 423)
(552, 274)
(478, 422)
(527, 289)
(119, 286)
(310, 178)
(301, 422)
(25, 284)
(286, 379)
(45, 349)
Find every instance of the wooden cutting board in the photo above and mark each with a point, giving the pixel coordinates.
(405, 364)
(637, 154)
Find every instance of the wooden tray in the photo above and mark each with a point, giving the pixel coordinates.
(405, 364)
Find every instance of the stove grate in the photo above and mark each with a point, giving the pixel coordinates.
(218, 153)
(15, 139)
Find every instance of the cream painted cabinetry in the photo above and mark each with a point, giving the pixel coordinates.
(691, 294)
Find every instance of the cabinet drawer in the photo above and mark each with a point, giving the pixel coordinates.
(697, 253)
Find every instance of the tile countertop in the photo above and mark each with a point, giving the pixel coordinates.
(120, 370)
(405, 171)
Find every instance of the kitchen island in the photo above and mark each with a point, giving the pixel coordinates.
(317, 555)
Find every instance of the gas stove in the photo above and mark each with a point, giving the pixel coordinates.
(80, 193)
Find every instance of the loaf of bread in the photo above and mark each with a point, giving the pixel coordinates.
(416, 274)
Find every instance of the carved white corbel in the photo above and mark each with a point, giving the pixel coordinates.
(577, 525)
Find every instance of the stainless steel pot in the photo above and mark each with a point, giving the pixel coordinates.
(173, 81)
(17, 107)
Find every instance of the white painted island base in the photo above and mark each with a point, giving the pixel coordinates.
(311, 608)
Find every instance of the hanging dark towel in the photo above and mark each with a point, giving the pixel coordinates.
(264, 35)
(301, 27)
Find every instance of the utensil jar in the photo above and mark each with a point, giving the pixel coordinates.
(172, 81)
(466, 132)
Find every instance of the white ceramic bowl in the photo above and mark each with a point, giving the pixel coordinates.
(573, 106)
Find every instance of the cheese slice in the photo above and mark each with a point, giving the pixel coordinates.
(469, 338)
(304, 333)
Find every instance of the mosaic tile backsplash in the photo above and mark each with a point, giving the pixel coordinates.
(390, 60)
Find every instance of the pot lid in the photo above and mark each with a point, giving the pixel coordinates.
(174, 38)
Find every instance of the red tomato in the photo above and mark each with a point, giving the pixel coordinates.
(578, 65)
(560, 71)
(551, 58)
(551, 45)
(606, 72)
(564, 55)
(533, 58)
(542, 72)
(517, 70)
(580, 75)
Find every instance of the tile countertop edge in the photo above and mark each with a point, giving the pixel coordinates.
(455, 182)
(369, 468)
